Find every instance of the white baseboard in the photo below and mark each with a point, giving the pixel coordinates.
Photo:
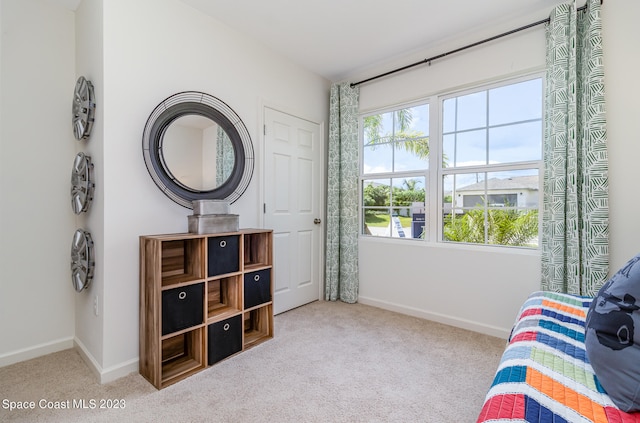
(437, 317)
(109, 374)
(35, 351)
(102, 375)
(88, 358)
(120, 370)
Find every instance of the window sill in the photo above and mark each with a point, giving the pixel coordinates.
(417, 243)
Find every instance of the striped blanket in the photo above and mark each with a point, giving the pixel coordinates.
(544, 374)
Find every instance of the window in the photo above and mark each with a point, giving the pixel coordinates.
(395, 153)
(480, 180)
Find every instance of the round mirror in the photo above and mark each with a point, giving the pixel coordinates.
(198, 152)
(196, 148)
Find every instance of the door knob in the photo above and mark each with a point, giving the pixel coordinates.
(316, 221)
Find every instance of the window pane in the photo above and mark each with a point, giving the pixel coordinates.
(512, 227)
(401, 223)
(520, 187)
(418, 221)
(421, 119)
(402, 120)
(449, 115)
(408, 207)
(377, 158)
(412, 122)
(472, 111)
(448, 150)
(396, 141)
(506, 103)
(407, 191)
(471, 148)
(509, 216)
(377, 129)
(515, 143)
(463, 185)
(467, 227)
(447, 193)
(376, 222)
(463, 220)
(411, 155)
(376, 192)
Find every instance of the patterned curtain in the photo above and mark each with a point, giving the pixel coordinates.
(342, 196)
(575, 219)
(224, 156)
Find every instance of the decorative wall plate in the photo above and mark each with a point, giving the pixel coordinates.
(82, 261)
(82, 184)
(83, 108)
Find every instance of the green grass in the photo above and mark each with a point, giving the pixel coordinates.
(382, 220)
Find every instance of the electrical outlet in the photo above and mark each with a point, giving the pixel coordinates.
(95, 305)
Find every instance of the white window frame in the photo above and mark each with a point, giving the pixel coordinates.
(435, 172)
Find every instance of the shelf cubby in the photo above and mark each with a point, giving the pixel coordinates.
(257, 250)
(258, 326)
(182, 261)
(182, 355)
(224, 297)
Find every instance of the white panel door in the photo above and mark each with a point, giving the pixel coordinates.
(293, 207)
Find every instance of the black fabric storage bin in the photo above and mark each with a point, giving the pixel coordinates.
(257, 288)
(225, 339)
(182, 307)
(223, 254)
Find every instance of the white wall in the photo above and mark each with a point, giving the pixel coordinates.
(482, 288)
(37, 149)
(136, 54)
(478, 288)
(153, 49)
(89, 52)
(621, 37)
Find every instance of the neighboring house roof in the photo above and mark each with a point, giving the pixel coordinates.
(515, 183)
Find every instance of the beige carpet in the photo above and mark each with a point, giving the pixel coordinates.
(328, 362)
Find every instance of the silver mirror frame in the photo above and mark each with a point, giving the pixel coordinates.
(198, 103)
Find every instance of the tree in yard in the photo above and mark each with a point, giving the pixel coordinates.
(411, 184)
(504, 227)
(414, 142)
(406, 197)
(376, 195)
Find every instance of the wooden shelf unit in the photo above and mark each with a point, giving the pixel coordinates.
(175, 266)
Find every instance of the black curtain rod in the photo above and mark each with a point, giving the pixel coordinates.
(440, 56)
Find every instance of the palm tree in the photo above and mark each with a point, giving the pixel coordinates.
(373, 128)
(411, 184)
(414, 142)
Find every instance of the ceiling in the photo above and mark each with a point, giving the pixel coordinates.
(339, 38)
(336, 38)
